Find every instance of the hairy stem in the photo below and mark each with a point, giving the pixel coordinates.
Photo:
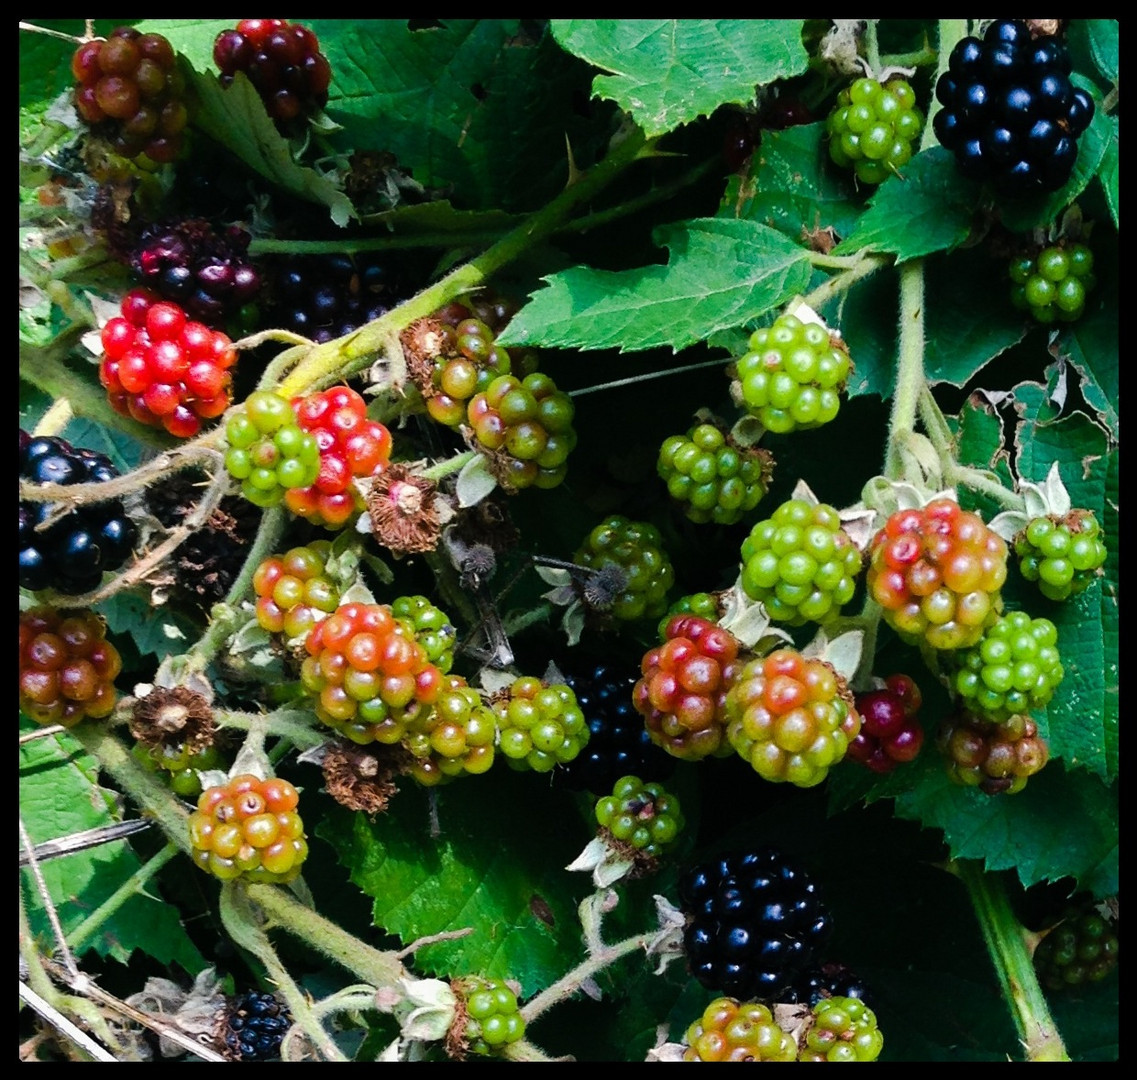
(909, 366)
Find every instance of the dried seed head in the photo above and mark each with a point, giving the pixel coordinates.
(404, 516)
(174, 716)
(363, 778)
(602, 588)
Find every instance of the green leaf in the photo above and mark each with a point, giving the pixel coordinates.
(484, 869)
(236, 117)
(929, 208)
(158, 631)
(1108, 174)
(193, 38)
(1103, 40)
(668, 72)
(1093, 342)
(793, 187)
(720, 274)
(59, 795)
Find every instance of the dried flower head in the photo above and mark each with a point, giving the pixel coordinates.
(423, 342)
(363, 778)
(403, 511)
(173, 716)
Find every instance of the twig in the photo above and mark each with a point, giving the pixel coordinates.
(49, 907)
(57, 1020)
(81, 841)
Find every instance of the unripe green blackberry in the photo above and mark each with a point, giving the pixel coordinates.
(539, 726)
(713, 478)
(1013, 668)
(456, 736)
(432, 629)
(1082, 948)
(704, 604)
(268, 451)
(293, 593)
(465, 361)
(844, 1029)
(996, 758)
(791, 718)
(872, 128)
(1053, 284)
(179, 763)
(730, 1030)
(248, 828)
(792, 375)
(643, 817)
(635, 549)
(800, 563)
(492, 1016)
(1063, 555)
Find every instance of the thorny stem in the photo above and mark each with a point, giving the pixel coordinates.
(1007, 946)
(909, 365)
(864, 266)
(291, 724)
(449, 466)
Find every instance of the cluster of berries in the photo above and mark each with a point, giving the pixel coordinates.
(645, 818)
(67, 667)
(633, 572)
(492, 1018)
(996, 758)
(129, 86)
(1063, 555)
(872, 128)
(323, 297)
(293, 591)
(711, 477)
(539, 726)
(1052, 285)
(268, 450)
(163, 369)
(69, 551)
(800, 563)
(283, 62)
(890, 733)
(248, 828)
(1010, 113)
(792, 374)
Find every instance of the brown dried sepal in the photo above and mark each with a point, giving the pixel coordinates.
(457, 1042)
(174, 716)
(643, 864)
(403, 511)
(423, 342)
(363, 778)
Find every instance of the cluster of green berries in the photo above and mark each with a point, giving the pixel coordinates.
(492, 1016)
(644, 817)
(248, 828)
(1063, 555)
(704, 604)
(539, 726)
(453, 738)
(642, 572)
(369, 675)
(800, 563)
(791, 718)
(67, 667)
(182, 766)
(730, 1030)
(996, 758)
(1014, 668)
(714, 479)
(872, 128)
(792, 375)
(293, 590)
(432, 628)
(466, 362)
(1082, 948)
(938, 572)
(683, 687)
(268, 451)
(1053, 284)
(843, 1029)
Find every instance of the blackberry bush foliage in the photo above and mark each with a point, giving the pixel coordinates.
(400, 534)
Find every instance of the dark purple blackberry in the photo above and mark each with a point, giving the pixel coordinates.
(825, 981)
(755, 923)
(207, 273)
(1010, 113)
(70, 553)
(253, 1026)
(619, 744)
(324, 297)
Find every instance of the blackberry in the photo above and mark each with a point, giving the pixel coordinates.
(1062, 555)
(730, 1030)
(618, 742)
(644, 818)
(283, 62)
(635, 550)
(827, 981)
(324, 297)
(539, 726)
(432, 628)
(206, 272)
(456, 736)
(267, 450)
(293, 591)
(1082, 948)
(755, 923)
(492, 1017)
(872, 128)
(253, 1026)
(71, 551)
(842, 1029)
(1052, 285)
(890, 733)
(705, 605)
(1010, 113)
(996, 758)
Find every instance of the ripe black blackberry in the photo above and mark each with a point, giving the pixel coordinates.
(253, 1026)
(1010, 113)
(755, 923)
(825, 981)
(72, 552)
(619, 743)
(206, 272)
(326, 296)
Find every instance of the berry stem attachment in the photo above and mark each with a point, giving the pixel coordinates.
(862, 266)
(449, 466)
(1007, 945)
(909, 367)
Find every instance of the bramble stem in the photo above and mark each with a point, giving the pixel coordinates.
(909, 366)
(863, 267)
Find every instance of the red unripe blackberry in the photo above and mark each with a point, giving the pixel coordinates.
(283, 62)
(292, 592)
(890, 733)
(67, 667)
(730, 1030)
(248, 828)
(683, 689)
(937, 572)
(996, 758)
(791, 718)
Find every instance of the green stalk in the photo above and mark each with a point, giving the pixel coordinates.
(864, 266)
(1007, 946)
(909, 366)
